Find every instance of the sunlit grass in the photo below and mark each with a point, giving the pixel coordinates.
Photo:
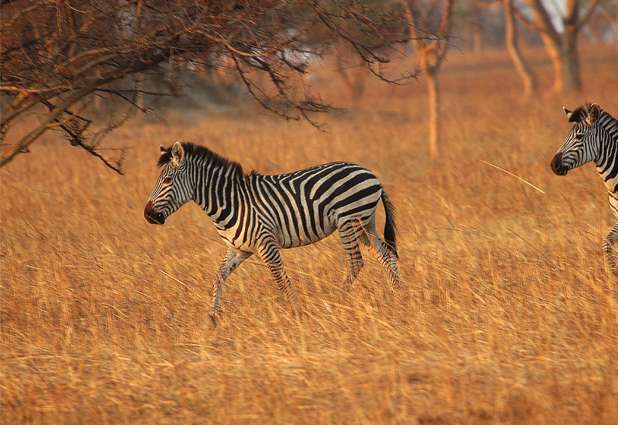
(509, 314)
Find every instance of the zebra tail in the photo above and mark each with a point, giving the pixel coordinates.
(389, 225)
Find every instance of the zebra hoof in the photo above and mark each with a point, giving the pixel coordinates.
(215, 319)
(613, 268)
(297, 311)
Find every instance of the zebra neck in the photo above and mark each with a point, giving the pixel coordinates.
(218, 191)
(607, 162)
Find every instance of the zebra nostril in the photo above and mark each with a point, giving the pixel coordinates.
(151, 216)
(159, 218)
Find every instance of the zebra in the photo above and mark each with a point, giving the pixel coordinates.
(262, 214)
(594, 137)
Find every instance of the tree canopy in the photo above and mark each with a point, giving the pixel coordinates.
(57, 56)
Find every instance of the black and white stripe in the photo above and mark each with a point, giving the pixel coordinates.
(262, 214)
(593, 138)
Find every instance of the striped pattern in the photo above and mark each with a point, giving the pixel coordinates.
(594, 138)
(260, 214)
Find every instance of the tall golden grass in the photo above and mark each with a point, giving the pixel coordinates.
(509, 314)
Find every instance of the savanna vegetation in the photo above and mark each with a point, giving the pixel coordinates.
(509, 314)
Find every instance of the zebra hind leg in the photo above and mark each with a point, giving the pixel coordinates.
(383, 253)
(268, 251)
(350, 234)
(608, 247)
(233, 258)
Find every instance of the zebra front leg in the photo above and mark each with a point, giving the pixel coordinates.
(268, 251)
(233, 258)
(608, 247)
(350, 234)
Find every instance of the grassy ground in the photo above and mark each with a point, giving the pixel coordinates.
(509, 314)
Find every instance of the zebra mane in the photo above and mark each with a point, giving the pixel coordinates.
(582, 112)
(196, 152)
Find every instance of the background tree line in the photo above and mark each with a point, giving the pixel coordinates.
(84, 67)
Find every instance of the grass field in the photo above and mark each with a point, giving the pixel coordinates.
(509, 314)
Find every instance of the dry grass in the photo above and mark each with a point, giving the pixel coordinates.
(509, 316)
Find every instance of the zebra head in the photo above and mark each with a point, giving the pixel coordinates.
(172, 189)
(581, 145)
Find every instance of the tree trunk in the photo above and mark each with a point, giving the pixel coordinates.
(553, 51)
(433, 92)
(565, 61)
(526, 74)
(477, 39)
(139, 96)
(561, 46)
(354, 83)
(431, 54)
(569, 63)
(351, 76)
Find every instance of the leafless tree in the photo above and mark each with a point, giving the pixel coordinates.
(609, 12)
(560, 38)
(431, 52)
(58, 56)
(469, 23)
(525, 72)
(511, 42)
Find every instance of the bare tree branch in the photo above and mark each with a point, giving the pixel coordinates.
(561, 46)
(22, 145)
(67, 56)
(585, 17)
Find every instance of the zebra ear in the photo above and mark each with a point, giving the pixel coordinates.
(593, 113)
(162, 149)
(577, 115)
(178, 154)
(567, 112)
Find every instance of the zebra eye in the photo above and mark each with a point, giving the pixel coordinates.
(167, 180)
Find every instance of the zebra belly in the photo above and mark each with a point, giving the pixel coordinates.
(285, 239)
(613, 203)
(307, 238)
(612, 192)
(242, 244)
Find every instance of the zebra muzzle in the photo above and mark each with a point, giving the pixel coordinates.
(557, 166)
(152, 216)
